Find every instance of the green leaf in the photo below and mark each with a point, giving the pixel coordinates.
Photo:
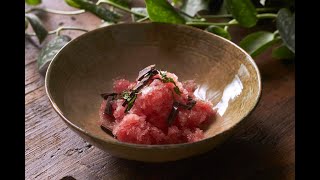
(33, 2)
(218, 31)
(177, 2)
(48, 52)
(257, 42)
(99, 11)
(131, 102)
(73, 3)
(26, 23)
(139, 10)
(124, 3)
(167, 79)
(243, 11)
(286, 27)
(162, 11)
(37, 27)
(282, 52)
(192, 7)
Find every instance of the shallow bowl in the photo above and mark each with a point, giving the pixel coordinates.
(226, 75)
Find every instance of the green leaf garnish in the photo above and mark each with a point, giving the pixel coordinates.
(37, 27)
(166, 79)
(126, 95)
(131, 102)
(243, 11)
(257, 42)
(162, 11)
(286, 27)
(283, 52)
(99, 11)
(33, 2)
(218, 31)
(48, 52)
(177, 90)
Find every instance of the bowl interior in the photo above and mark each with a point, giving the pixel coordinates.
(86, 67)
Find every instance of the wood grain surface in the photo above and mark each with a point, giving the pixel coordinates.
(262, 148)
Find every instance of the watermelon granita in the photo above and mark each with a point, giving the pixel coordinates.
(155, 109)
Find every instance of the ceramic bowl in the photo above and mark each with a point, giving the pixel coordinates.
(226, 75)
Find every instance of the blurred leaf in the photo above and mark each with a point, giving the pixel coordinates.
(33, 2)
(219, 31)
(286, 27)
(162, 11)
(177, 2)
(124, 3)
(243, 11)
(73, 3)
(192, 7)
(48, 52)
(37, 27)
(222, 9)
(99, 11)
(216, 6)
(282, 52)
(257, 42)
(26, 23)
(138, 10)
(280, 4)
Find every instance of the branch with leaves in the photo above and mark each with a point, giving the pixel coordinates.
(244, 13)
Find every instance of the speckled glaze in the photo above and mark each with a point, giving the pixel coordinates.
(226, 75)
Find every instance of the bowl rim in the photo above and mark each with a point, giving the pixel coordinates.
(146, 146)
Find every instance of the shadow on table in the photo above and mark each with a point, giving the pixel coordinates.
(236, 159)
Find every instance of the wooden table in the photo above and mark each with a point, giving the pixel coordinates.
(262, 148)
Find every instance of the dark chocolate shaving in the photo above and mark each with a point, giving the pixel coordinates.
(107, 130)
(106, 95)
(108, 109)
(109, 97)
(173, 114)
(176, 105)
(191, 103)
(145, 71)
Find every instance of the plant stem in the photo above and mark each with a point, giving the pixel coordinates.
(55, 11)
(57, 31)
(217, 16)
(260, 16)
(120, 7)
(266, 9)
(267, 16)
(232, 21)
(199, 23)
(143, 19)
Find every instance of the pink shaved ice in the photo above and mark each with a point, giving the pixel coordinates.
(146, 122)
